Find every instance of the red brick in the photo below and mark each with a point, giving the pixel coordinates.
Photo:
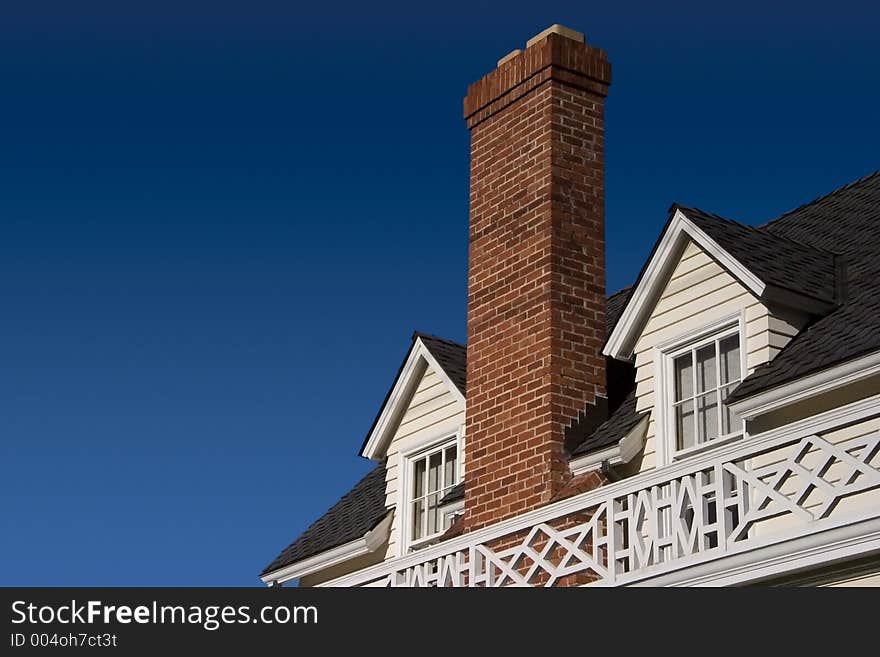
(536, 285)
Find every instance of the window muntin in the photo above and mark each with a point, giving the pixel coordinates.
(433, 474)
(703, 376)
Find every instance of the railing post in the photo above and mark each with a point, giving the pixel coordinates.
(721, 507)
(610, 540)
(644, 531)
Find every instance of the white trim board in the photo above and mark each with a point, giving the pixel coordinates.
(664, 420)
(821, 422)
(368, 543)
(808, 386)
(839, 543)
(417, 362)
(438, 440)
(666, 256)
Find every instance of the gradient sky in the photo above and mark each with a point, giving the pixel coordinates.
(220, 223)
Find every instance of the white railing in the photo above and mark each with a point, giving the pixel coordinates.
(761, 491)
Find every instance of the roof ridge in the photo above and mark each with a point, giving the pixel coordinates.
(681, 206)
(762, 228)
(819, 199)
(622, 290)
(431, 336)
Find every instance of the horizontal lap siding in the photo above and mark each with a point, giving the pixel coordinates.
(433, 409)
(699, 292)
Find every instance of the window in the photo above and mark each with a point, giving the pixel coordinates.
(703, 374)
(432, 475)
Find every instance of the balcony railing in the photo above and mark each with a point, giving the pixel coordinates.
(763, 492)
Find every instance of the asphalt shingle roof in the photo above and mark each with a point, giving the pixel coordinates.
(613, 429)
(359, 511)
(846, 221)
(774, 258)
(614, 306)
(363, 507)
(451, 356)
(796, 251)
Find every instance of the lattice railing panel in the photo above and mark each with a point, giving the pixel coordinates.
(712, 509)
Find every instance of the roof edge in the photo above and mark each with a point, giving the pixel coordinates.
(665, 254)
(619, 453)
(417, 360)
(806, 386)
(333, 556)
(843, 188)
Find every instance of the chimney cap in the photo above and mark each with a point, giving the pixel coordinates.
(561, 30)
(509, 56)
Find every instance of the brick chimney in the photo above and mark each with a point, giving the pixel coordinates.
(536, 286)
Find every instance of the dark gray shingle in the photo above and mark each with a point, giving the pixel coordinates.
(451, 356)
(359, 511)
(774, 258)
(613, 429)
(846, 221)
(363, 507)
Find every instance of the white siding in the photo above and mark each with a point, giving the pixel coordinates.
(434, 412)
(698, 293)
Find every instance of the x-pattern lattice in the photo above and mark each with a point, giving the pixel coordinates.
(550, 553)
(785, 487)
(712, 508)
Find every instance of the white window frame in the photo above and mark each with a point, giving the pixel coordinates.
(664, 383)
(406, 463)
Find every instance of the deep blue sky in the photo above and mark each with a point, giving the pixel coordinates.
(221, 223)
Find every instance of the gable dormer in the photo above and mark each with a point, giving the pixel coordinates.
(715, 301)
(410, 496)
(419, 434)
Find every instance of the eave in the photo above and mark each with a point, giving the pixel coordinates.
(417, 361)
(808, 387)
(363, 546)
(617, 454)
(654, 276)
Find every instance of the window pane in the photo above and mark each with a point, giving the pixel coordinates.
(433, 514)
(684, 424)
(707, 417)
(433, 475)
(435, 461)
(419, 478)
(730, 421)
(729, 350)
(418, 519)
(451, 471)
(706, 368)
(684, 378)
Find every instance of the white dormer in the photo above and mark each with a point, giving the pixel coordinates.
(419, 432)
(695, 325)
